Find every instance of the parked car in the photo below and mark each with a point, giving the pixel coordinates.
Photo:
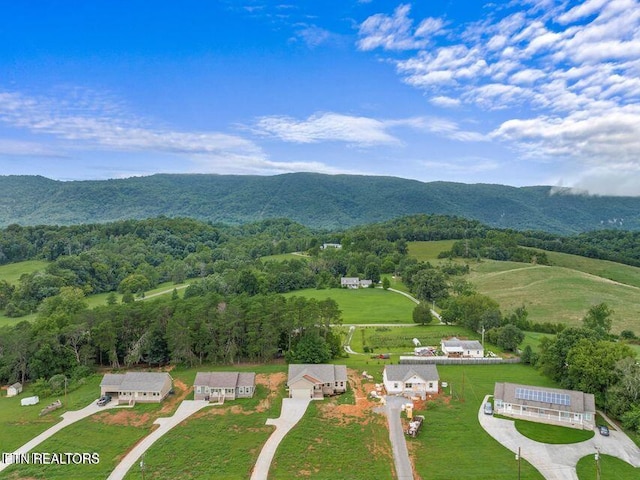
(102, 401)
(488, 408)
(604, 430)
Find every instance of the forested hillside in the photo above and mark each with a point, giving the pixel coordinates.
(314, 200)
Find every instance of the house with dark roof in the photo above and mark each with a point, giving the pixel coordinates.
(456, 348)
(555, 406)
(411, 380)
(140, 387)
(220, 386)
(316, 380)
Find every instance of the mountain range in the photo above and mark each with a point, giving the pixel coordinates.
(316, 200)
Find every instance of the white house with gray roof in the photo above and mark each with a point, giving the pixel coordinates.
(456, 348)
(411, 380)
(139, 387)
(220, 386)
(555, 406)
(316, 380)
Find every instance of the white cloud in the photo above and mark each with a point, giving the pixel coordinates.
(353, 130)
(462, 166)
(359, 131)
(396, 32)
(444, 101)
(98, 127)
(565, 77)
(13, 148)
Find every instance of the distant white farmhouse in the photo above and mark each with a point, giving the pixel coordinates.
(14, 389)
(411, 380)
(546, 405)
(354, 282)
(330, 245)
(456, 348)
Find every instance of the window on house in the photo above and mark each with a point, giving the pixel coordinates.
(430, 384)
(408, 385)
(395, 385)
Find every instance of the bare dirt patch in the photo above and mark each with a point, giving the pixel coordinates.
(172, 401)
(348, 413)
(124, 417)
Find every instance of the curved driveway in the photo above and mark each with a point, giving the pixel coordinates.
(292, 411)
(68, 418)
(186, 409)
(557, 462)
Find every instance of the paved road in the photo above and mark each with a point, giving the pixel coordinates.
(186, 409)
(392, 409)
(558, 462)
(292, 411)
(68, 418)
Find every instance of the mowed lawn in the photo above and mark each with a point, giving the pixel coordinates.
(365, 305)
(555, 294)
(324, 445)
(452, 443)
(20, 424)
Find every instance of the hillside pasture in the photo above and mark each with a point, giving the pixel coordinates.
(12, 272)
(429, 251)
(616, 272)
(365, 305)
(555, 294)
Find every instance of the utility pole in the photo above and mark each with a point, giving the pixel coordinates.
(142, 466)
(597, 457)
(483, 337)
(518, 456)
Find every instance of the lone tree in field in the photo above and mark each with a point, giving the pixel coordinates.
(422, 314)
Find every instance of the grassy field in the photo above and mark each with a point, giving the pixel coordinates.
(20, 424)
(321, 446)
(13, 271)
(616, 272)
(284, 256)
(428, 251)
(554, 434)
(365, 305)
(452, 443)
(610, 468)
(555, 294)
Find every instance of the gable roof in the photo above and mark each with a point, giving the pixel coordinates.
(577, 401)
(136, 381)
(317, 373)
(400, 373)
(225, 379)
(454, 343)
(16, 385)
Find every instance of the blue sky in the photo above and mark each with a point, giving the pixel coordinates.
(522, 92)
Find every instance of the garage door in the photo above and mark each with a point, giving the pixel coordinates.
(300, 393)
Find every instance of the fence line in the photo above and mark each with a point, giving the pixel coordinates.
(405, 360)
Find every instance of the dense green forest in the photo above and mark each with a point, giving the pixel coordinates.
(233, 310)
(314, 200)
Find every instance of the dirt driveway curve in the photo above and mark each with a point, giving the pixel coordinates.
(557, 462)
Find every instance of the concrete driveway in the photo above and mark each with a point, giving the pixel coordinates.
(392, 409)
(186, 409)
(557, 462)
(292, 411)
(68, 418)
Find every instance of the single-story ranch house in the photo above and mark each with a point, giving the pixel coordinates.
(143, 387)
(316, 381)
(456, 348)
(546, 405)
(411, 380)
(14, 389)
(220, 386)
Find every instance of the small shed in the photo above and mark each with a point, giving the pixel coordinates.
(14, 389)
(30, 401)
